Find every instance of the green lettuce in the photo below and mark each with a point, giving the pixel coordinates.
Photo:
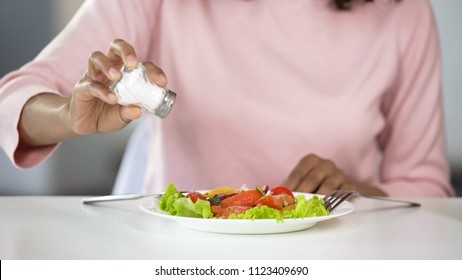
(170, 196)
(313, 207)
(176, 204)
(186, 208)
(263, 212)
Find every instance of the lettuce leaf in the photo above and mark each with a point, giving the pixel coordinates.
(176, 204)
(263, 212)
(170, 196)
(186, 208)
(314, 207)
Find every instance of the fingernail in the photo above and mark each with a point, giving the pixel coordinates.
(113, 73)
(132, 61)
(163, 79)
(160, 80)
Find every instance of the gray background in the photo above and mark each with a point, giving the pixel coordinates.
(26, 26)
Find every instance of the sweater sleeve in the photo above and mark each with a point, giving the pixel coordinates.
(63, 62)
(414, 142)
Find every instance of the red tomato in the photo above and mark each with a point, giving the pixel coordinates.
(269, 201)
(194, 196)
(277, 201)
(219, 211)
(247, 198)
(281, 190)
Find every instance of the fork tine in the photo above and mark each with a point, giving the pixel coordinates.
(331, 198)
(335, 198)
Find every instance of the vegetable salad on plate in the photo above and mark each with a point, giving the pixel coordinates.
(230, 203)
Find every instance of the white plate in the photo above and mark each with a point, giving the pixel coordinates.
(259, 226)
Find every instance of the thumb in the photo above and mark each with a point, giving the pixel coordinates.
(130, 113)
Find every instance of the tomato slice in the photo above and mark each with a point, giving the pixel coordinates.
(247, 198)
(269, 201)
(194, 196)
(281, 190)
(277, 201)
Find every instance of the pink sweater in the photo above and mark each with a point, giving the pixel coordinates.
(263, 83)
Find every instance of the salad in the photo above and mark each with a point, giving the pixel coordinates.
(229, 203)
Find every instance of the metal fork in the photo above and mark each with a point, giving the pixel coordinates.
(116, 197)
(105, 198)
(335, 198)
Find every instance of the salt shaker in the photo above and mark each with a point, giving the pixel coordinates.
(135, 87)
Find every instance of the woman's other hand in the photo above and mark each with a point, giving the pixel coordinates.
(314, 174)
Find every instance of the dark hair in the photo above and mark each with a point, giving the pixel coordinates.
(347, 4)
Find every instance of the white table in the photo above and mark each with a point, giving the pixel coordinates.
(63, 228)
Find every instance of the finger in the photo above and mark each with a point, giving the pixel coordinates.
(298, 174)
(312, 181)
(157, 75)
(129, 113)
(88, 89)
(122, 52)
(332, 183)
(101, 68)
(317, 176)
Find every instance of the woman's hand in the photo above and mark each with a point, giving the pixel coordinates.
(49, 118)
(93, 108)
(317, 175)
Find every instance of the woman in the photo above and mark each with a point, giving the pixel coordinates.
(269, 92)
